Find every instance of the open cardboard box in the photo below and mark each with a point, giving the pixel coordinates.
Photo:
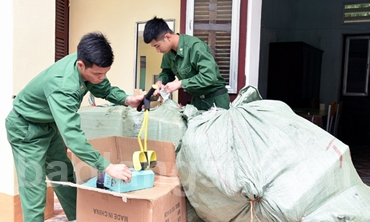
(164, 202)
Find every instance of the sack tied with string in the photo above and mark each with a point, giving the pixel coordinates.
(259, 161)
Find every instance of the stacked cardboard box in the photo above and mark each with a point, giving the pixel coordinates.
(164, 202)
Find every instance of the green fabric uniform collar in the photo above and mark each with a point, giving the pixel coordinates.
(180, 48)
(83, 84)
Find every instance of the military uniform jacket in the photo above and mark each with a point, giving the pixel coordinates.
(194, 65)
(55, 96)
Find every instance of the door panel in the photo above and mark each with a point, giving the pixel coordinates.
(355, 127)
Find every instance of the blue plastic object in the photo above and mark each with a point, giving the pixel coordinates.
(91, 182)
(140, 180)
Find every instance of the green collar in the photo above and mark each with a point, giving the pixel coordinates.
(180, 48)
(83, 84)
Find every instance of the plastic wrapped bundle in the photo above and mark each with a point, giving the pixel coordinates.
(102, 121)
(259, 161)
(166, 122)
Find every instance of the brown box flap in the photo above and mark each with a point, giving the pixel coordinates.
(119, 149)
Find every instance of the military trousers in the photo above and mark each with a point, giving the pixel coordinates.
(39, 152)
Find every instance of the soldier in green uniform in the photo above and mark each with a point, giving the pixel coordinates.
(189, 59)
(45, 119)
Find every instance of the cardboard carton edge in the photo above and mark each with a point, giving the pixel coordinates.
(123, 196)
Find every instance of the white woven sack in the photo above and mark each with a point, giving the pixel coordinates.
(259, 161)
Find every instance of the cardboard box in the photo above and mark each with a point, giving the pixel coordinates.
(119, 149)
(164, 202)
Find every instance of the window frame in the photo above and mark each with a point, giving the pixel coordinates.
(234, 47)
(346, 92)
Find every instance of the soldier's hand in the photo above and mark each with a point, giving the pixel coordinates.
(172, 86)
(134, 101)
(160, 86)
(119, 171)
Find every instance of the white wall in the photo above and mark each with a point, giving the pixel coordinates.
(117, 20)
(253, 42)
(34, 31)
(27, 47)
(6, 50)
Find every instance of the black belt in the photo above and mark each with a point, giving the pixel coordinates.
(214, 94)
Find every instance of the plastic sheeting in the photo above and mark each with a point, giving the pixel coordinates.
(102, 121)
(166, 122)
(259, 161)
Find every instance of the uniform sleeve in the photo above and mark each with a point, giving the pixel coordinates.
(64, 106)
(166, 75)
(202, 59)
(105, 91)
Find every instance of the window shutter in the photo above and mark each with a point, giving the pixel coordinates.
(354, 13)
(212, 23)
(61, 28)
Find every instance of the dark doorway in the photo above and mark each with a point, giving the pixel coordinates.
(355, 125)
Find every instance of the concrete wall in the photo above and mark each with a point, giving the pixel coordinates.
(318, 23)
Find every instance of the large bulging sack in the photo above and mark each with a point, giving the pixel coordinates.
(259, 161)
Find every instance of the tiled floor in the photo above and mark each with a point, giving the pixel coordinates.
(59, 215)
(360, 159)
